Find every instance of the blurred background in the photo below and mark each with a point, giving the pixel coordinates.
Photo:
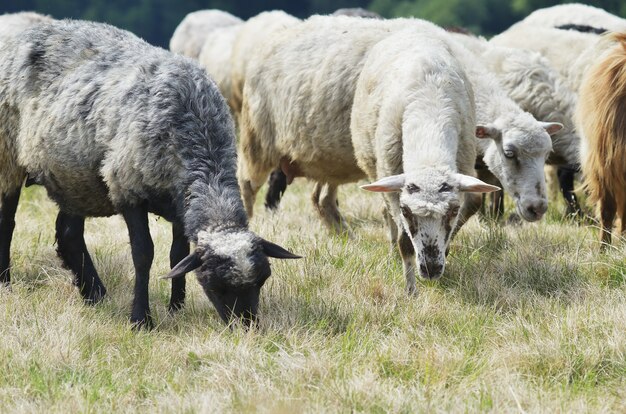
(155, 20)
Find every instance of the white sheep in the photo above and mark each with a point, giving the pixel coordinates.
(530, 80)
(190, 34)
(413, 123)
(296, 114)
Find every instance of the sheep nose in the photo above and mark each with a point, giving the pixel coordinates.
(431, 270)
(537, 210)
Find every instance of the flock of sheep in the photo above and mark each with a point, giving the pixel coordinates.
(111, 125)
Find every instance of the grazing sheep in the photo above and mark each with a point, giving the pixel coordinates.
(215, 58)
(190, 35)
(296, 114)
(357, 12)
(413, 123)
(537, 88)
(601, 116)
(111, 125)
(574, 14)
(255, 32)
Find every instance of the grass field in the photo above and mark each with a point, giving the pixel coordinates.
(527, 318)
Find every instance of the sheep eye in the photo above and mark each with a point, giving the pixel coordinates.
(445, 188)
(412, 188)
(509, 154)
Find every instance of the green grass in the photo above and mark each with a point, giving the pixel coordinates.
(527, 318)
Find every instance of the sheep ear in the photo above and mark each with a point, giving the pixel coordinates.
(273, 250)
(552, 127)
(386, 185)
(189, 263)
(487, 131)
(469, 184)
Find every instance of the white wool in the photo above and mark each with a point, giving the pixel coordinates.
(189, 36)
(235, 245)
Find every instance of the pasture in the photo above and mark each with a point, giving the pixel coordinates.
(526, 318)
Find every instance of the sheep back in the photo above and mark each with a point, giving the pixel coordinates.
(190, 34)
(298, 97)
(254, 33)
(104, 120)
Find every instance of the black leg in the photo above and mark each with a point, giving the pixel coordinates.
(72, 249)
(7, 225)
(179, 250)
(566, 182)
(277, 186)
(142, 250)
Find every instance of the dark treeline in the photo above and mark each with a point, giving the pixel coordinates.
(155, 20)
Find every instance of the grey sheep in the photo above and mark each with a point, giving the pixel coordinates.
(111, 125)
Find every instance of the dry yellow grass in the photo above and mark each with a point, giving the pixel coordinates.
(528, 318)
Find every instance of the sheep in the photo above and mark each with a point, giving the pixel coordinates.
(111, 125)
(215, 57)
(296, 114)
(574, 14)
(190, 34)
(601, 119)
(357, 12)
(412, 126)
(536, 87)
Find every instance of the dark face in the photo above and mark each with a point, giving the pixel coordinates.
(234, 286)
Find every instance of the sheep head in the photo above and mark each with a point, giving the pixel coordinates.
(430, 201)
(515, 151)
(232, 266)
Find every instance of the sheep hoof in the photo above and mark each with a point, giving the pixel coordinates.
(411, 290)
(175, 307)
(95, 296)
(140, 323)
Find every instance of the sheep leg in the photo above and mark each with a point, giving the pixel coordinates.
(72, 249)
(249, 189)
(142, 250)
(315, 196)
(495, 209)
(391, 225)
(408, 262)
(607, 214)
(7, 225)
(178, 251)
(327, 208)
(566, 182)
(277, 186)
